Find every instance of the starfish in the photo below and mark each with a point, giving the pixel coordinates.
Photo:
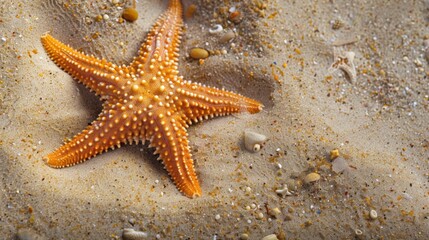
(145, 101)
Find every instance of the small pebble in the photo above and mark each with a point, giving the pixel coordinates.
(106, 17)
(130, 14)
(229, 35)
(339, 165)
(311, 177)
(248, 189)
(198, 53)
(260, 216)
(373, 214)
(334, 154)
(274, 212)
(244, 236)
(253, 141)
(217, 217)
(270, 237)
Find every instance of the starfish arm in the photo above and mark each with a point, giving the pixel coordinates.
(97, 74)
(108, 131)
(201, 102)
(160, 52)
(170, 139)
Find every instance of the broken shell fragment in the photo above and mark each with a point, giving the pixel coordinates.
(311, 177)
(131, 234)
(216, 29)
(253, 141)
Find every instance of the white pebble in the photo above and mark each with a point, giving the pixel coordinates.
(106, 17)
(217, 217)
(270, 237)
(253, 141)
(373, 214)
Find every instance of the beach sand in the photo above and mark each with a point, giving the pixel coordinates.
(290, 55)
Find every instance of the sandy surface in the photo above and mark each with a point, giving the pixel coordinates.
(282, 56)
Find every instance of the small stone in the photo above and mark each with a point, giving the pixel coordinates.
(217, 217)
(130, 14)
(198, 53)
(259, 216)
(373, 214)
(339, 165)
(274, 212)
(311, 177)
(244, 236)
(334, 154)
(229, 35)
(270, 237)
(288, 217)
(106, 17)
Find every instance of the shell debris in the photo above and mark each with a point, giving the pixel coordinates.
(131, 234)
(217, 28)
(253, 141)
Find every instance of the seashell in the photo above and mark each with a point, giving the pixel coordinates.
(253, 141)
(229, 35)
(216, 29)
(311, 177)
(131, 234)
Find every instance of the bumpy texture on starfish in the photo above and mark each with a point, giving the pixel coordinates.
(146, 100)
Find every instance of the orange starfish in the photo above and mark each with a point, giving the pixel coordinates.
(146, 100)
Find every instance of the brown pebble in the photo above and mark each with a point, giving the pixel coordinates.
(198, 53)
(130, 14)
(311, 177)
(235, 17)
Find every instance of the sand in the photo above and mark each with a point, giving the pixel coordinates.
(282, 56)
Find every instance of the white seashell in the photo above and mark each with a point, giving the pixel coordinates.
(131, 234)
(216, 29)
(270, 237)
(253, 141)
